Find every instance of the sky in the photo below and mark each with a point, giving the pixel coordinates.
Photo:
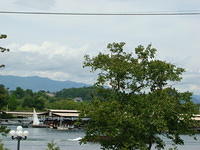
(54, 46)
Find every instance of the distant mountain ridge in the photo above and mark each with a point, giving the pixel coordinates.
(196, 99)
(36, 83)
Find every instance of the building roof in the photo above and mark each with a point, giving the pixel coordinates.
(56, 112)
(66, 114)
(63, 111)
(15, 113)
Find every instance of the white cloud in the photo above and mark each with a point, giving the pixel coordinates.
(54, 46)
(35, 4)
(47, 59)
(190, 82)
(63, 62)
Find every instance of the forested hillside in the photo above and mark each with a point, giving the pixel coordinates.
(86, 93)
(26, 99)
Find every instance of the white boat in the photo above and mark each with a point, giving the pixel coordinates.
(36, 122)
(35, 118)
(62, 128)
(76, 139)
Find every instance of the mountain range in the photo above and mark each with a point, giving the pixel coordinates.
(36, 83)
(196, 99)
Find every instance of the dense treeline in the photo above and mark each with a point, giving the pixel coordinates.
(86, 93)
(21, 99)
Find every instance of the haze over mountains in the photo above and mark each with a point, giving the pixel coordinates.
(36, 83)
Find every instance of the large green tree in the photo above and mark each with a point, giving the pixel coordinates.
(3, 91)
(143, 107)
(2, 49)
(18, 93)
(3, 96)
(34, 102)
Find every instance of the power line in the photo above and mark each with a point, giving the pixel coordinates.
(177, 13)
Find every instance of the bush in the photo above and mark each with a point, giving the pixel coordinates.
(52, 146)
(2, 146)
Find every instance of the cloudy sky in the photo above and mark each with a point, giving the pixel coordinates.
(53, 46)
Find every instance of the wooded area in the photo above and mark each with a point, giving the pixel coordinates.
(25, 99)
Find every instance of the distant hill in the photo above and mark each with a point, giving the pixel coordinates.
(196, 99)
(85, 93)
(36, 83)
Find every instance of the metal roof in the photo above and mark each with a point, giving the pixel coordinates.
(23, 113)
(66, 114)
(63, 111)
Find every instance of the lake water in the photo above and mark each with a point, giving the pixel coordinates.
(39, 137)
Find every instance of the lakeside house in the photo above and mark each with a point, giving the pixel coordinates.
(78, 99)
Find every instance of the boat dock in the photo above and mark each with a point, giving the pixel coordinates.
(52, 118)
